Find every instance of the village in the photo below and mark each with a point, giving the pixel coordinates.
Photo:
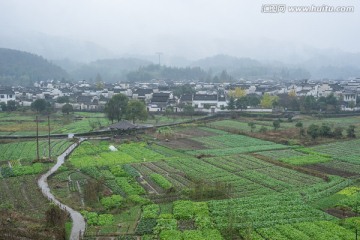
(162, 95)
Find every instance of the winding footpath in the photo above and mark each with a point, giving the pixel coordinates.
(78, 220)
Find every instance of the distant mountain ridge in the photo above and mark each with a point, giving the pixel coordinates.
(23, 68)
(53, 47)
(110, 70)
(250, 69)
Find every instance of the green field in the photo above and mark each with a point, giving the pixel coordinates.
(200, 182)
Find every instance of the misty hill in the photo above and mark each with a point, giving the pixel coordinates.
(110, 70)
(153, 71)
(333, 64)
(17, 67)
(53, 47)
(250, 68)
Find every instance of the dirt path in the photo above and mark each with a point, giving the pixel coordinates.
(78, 220)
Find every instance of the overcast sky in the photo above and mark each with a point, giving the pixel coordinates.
(179, 27)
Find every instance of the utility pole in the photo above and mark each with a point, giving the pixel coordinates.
(49, 138)
(37, 138)
(357, 213)
(159, 53)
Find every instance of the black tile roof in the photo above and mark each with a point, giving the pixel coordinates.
(205, 97)
(143, 91)
(7, 91)
(186, 97)
(122, 125)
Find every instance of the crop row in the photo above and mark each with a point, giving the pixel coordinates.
(244, 179)
(207, 234)
(164, 151)
(237, 150)
(324, 189)
(344, 166)
(240, 163)
(27, 150)
(347, 151)
(231, 124)
(125, 185)
(161, 181)
(160, 177)
(231, 140)
(286, 153)
(263, 211)
(23, 194)
(321, 230)
(20, 170)
(99, 154)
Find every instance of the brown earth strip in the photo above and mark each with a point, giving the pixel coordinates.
(331, 171)
(183, 144)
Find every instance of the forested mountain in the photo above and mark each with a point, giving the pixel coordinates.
(22, 68)
(163, 72)
(110, 70)
(250, 68)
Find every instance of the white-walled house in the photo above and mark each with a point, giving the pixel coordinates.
(201, 101)
(7, 95)
(349, 95)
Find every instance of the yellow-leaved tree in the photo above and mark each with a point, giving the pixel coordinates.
(292, 93)
(237, 93)
(267, 101)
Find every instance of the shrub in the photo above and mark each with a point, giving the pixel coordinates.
(111, 202)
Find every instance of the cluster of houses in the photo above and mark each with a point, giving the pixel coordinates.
(159, 95)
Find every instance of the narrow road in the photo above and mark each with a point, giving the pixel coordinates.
(78, 227)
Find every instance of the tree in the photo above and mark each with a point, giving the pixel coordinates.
(267, 101)
(325, 131)
(308, 103)
(225, 77)
(253, 100)
(183, 89)
(313, 131)
(55, 216)
(332, 102)
(92, 190)
(136, 110)
(99, 82)
(350, 131)
(338, 132)
(67, 108)
(276, 124)
(352, 104)
(301, 129)
(63, 99)
(263, 129)
(231, 105)
(241, 103)
(292, 93)
(11, 106)
(237, 93)
(39, 105)
(252, 126)
(169, 110)
(115, 109)
(56, 219)
(189, 110)
(3, 106)
(288, 102)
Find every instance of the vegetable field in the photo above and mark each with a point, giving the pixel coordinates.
(26, 151)
(197, 183)
(98, 154)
